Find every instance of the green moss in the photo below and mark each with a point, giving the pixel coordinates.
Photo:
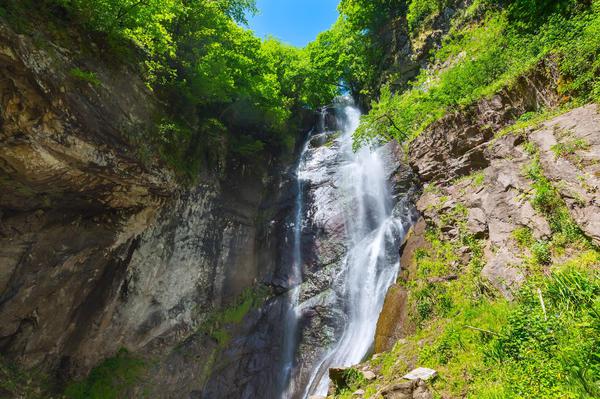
(109, 380)
(85, 76)
(218, 323)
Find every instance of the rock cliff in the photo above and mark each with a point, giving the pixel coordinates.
(101, 248)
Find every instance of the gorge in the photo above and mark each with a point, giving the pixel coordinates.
(189, 211)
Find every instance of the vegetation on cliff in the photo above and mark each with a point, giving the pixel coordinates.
(541, 342)
(480, 56)
(224, 89)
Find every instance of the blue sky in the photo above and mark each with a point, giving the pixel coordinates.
(296, 22)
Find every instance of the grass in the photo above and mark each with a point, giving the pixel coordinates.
(484, 57)
(475, 179)
(569, 147)
(519, 351)
(85, 76)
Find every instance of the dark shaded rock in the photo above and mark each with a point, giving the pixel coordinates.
(99, 250)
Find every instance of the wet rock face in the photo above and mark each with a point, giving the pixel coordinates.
(324, 242)
(72, 199)
(99, 251)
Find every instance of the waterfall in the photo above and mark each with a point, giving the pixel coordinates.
(356, 191)
(294, 278)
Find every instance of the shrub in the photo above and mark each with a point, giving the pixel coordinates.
(419, 10)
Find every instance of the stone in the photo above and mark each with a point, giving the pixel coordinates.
(317, 397)
(399, 391)
(501, 271)
(369, 375)
(421, 373)
(421, 391)
(576, 175)
(477, 223)
(391, 322)
(359, 393)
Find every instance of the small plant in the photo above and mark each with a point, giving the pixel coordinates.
(527, 116)
(541, 253)
(523, 236)
(85, 76)
(530, 148)
(568, 148)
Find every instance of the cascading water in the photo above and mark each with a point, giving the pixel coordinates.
(294, 279)
(357, 196)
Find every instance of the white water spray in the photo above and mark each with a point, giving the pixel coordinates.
(372, 260)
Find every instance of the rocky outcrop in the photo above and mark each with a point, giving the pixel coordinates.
(570, 153)
(457, 144)
(476, 182)
(99, 250)
(416, 389)
(74, 198)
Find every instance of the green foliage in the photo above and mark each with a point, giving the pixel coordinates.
(485, 57)
(85, 76)
(226, 91)
(541, 253)
(568, 148)
(349, 382)
(418, 10)
(109, 380)
(523, 236)
(548, 201)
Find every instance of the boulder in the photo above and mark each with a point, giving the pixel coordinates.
(369, 375)
(421, 373)
(416, 389)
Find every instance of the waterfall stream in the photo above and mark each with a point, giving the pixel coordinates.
(357, 196)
